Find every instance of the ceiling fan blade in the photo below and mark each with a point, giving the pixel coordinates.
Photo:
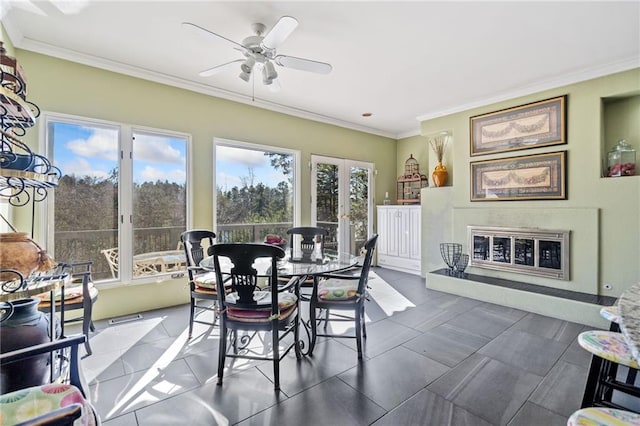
(279, 33)
(200, 31)
(219, 68)
(303, 64)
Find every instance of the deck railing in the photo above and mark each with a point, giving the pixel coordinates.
(73, 246)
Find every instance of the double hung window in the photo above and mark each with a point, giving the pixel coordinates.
(122, 201)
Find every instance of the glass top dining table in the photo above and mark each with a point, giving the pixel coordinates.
(332, 261)
(299, 268)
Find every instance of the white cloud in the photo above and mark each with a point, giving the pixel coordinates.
(81, 167)
(227, 181)
(155, 149)
(241, 156)
(103, 143)
(152, 174)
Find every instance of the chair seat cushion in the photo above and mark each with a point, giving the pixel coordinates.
(263, 299)
(71, 291)
(93, 293)
(207, 280)
(337, 289)
(25, 404)
(257, 315)
(599, 416)
(608, 345)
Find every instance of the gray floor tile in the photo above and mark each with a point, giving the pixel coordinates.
(328, 360)
(381, 336)
(422, 317)
(428, 409)
(453, 303)
(482, 322)
(204, 365)
(329, 403)
(447, 344)
(240, 396)
(393, 377)
(115, 397)
(103, 366)
(550, 328)
(504, 311)
(431, 358)
(487, 388)
(531, 353)
(561, 390)
(575, 354)
(533, 415)
(128, 419)
(142, 356)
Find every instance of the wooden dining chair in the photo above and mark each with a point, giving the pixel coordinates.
(202, 284)
(305, 239)
(249, 310)
(342, 292)
(79, 295)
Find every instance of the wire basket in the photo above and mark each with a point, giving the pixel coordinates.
(451, 253)
(461, 264)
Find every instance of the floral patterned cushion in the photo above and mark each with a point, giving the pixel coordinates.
(593, 416)
(337, 289)
(263, 298)
(608, 345)
(611, 313)
(25, 404)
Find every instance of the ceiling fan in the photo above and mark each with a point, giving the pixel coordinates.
(260, 52)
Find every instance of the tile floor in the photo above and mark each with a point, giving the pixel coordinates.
(431, 358)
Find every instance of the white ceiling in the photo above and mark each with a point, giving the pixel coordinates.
(401, 61)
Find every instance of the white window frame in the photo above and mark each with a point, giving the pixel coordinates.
(297, 182)
(125, 197)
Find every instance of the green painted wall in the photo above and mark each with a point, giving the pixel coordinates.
(65, 87)
(615, 200)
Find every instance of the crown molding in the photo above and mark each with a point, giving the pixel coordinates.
(94, 61)
(564, 80)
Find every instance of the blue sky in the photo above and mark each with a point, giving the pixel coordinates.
(93, 151)
(235, 164)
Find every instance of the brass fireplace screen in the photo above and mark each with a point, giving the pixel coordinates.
(540, 252)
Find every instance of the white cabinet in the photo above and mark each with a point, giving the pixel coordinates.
(399, 238)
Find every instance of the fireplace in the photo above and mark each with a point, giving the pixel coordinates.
(540, 252)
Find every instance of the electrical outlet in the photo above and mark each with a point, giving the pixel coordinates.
(608, 286)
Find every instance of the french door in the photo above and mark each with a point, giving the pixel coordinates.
(342, 201)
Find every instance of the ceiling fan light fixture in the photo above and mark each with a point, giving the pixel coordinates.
(247, 65)
(245, 76)
(269, 72)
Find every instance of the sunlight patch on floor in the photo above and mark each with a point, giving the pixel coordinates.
(137, 392)
(389, 299)
(109, 344)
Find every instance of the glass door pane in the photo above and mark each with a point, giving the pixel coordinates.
(341, 195)
(326, 178)
(359, 206)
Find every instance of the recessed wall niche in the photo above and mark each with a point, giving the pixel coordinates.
(620, 122)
